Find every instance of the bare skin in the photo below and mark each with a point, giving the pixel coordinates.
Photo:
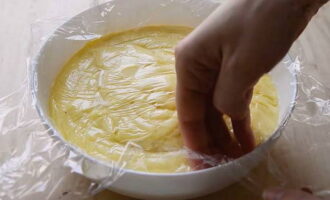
(218, 65)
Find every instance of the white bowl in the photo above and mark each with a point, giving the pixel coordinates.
(125, 14)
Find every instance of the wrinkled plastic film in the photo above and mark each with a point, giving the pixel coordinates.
(39, 149)
(304, 138)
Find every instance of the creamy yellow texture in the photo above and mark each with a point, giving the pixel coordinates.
(115, 100)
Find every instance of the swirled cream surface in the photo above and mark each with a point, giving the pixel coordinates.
(115, 100)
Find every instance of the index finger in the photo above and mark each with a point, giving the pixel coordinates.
(191, 108)
(244, 134)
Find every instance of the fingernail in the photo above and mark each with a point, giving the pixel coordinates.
(272, 194)
(306, 189)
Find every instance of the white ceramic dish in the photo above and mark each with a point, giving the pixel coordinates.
(125, 14)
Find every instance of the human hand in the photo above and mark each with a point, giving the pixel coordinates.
(283, 194)
(219, 63)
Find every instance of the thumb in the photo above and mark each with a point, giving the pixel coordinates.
(234, 102)
(233, 90)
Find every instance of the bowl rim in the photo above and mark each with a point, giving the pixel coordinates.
(55, 134)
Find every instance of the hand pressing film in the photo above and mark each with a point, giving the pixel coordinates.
(219, 63)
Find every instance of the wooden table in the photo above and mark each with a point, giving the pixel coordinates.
(303, 151)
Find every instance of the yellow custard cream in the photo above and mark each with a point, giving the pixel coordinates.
(115, 100)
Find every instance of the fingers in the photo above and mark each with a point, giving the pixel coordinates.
(191, 100)
(234, 99)
(233, 92)
(191, 113)
(191, 106)
(282, 194)
(244, 134)
(201, 124)
(219, 133)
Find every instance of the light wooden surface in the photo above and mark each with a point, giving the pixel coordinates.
(303, 151)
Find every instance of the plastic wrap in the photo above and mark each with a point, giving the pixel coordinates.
(43, 143)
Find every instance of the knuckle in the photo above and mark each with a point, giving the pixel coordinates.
(189, 71)
(232, 62)
(184, 52)
(236, 108)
